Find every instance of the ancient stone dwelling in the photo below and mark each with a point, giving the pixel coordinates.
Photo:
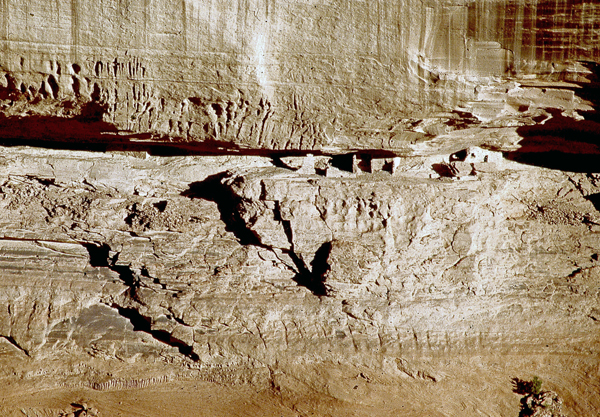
(299, 208)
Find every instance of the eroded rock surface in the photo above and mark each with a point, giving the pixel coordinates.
(349, 207)
(248, 274)
(285, 75)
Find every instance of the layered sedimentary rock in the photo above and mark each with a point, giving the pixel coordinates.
(352, 206)
(276, 75)
(248, 275)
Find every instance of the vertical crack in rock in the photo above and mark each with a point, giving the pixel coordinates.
(313, 279)
(100, 257)
(214, 189)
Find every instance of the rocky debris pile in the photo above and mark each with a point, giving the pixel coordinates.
(543, 404)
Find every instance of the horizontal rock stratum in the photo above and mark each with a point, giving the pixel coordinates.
(313, 207)
(282, 75)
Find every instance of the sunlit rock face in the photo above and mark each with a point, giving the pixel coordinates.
(353, 206)
(281, 75)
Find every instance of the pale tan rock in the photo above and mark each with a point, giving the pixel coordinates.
(366, 268)
(321, 280)
(285, 76)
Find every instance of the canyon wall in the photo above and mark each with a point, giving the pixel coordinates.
(276, 75)
(349, 207)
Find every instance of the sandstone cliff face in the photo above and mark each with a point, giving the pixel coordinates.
(278, 75)
(248, 275)
(355, 207)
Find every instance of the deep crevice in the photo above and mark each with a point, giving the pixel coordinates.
(144, 324)
(213, 189)
(100, 257)
(305, 277)
(99, 254)
(315, 280)
(13, 342)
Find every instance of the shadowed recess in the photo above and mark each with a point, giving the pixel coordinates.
(595, 200)
(561, 142)
(88, 125)
(143, 324)
(213, 189)
(100, 257)
(522, 387)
